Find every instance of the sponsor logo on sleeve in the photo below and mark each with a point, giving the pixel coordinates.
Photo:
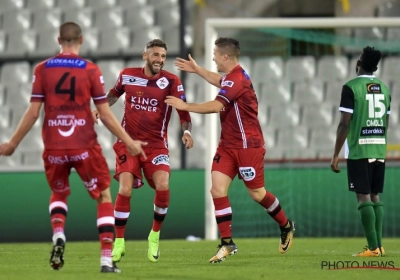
(222, 91)
(247, 173)
(227, 84)
(33, 79)
(183, 97)
(245, 74)
(101, 79)
(180, 88)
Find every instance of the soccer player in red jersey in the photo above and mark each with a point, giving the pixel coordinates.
(66, 83)
(241, 148)
(146, 116)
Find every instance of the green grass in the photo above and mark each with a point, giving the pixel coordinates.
(179, 259)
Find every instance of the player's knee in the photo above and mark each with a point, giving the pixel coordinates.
(125, 189)
(217, 192)
(374, 197)
(162, 186)
(257, 194)
(105, 196)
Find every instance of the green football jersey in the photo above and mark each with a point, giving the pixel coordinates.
(368, 100)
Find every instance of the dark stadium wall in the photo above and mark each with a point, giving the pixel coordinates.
(316, 198)
(25, 216)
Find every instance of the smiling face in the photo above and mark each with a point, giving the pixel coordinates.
(155, 59)
(219, 58)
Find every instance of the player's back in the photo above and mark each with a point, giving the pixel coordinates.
(368, 126)
(239, 118)
(67, 82)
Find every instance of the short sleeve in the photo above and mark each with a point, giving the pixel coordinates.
(347, 100)
(98, 92)
(37, 85)
(230, 90)
(177, 90)
(118, 88)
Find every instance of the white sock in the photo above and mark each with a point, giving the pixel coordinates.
(106, 261)
(58, 235)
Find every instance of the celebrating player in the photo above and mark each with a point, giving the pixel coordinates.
(365, 109)
(146, 116)
(65, 84)
(241, 149)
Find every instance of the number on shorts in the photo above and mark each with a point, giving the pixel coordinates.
(217, 158)
(122, 159)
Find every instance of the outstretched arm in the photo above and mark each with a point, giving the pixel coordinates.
(213, 106)
(28, 120)
(192, 67)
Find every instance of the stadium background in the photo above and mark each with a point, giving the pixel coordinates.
(297, 75)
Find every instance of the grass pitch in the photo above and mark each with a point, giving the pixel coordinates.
(179, 259)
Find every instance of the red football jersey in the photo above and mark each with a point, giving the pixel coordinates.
(146, 115)
(66, 83)
(240, 127)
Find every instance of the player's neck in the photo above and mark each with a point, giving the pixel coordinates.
(149, 74)
(69, 50)
(363, 72)
(230, 67)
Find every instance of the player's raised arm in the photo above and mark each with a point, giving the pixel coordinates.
(192, 67)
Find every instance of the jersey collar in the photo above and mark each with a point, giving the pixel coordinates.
(366, 76)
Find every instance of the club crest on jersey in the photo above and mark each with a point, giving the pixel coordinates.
(247, 173)
(161, 159)
(227, 84)
(162, 83)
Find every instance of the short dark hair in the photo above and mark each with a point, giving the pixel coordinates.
(70, 32)
(369, 59)
(228, 45)
(156, 43)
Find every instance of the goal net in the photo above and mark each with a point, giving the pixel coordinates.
(298, 67)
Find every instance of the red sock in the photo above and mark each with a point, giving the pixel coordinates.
(121, 213)
(105, 225)
(271, 204)
(58, 212)
(223, 215)
(161, 202)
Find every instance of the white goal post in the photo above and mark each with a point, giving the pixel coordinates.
(211, 120)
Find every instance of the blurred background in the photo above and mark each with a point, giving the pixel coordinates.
(297, 73)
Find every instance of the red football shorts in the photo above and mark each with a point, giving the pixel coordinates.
(157, 159)
(248, 164)
(89, 163)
